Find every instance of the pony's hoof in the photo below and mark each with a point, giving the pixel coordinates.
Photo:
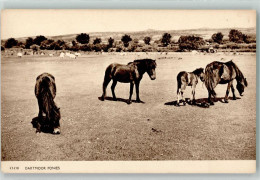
(178, 105)
(211, 103)
(138, 101)
(225, 101)
(56, 131)
(234, 98)
(114, 99)
(129, 101)
(184, 103)
(102, 98)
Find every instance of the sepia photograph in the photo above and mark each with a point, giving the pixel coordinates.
(128, 86)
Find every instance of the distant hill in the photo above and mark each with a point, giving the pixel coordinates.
(205, 33)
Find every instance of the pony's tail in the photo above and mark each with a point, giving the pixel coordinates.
(209, 80)
(107, 77)
(46, 95)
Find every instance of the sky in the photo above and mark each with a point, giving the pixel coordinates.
(24, 23)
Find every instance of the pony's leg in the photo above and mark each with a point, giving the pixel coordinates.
(227, 92)
(183, 87)
(233, 91)
(56, 129)
(40, 109)
(178, 97)
(209, 99)
(105, 83)
(113, 89)
(129, 101)
(137, 91)
(193, 94)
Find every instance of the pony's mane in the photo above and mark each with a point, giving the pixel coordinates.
(240, 75)
(141, 61)
(198, 71)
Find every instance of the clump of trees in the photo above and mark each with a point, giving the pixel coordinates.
(110, 42)
(126, 39)
(166, 39)
(11, 42)
(83, 38)
(147, 40)
(190, 42)
(97, 41)
(38, 40)
(237, 36)
(217, 37)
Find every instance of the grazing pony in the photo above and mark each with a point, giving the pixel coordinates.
(224, 73)
(131, 73)
(45, 92)
(188, 79)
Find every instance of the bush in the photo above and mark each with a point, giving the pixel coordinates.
(85, 47)
(97, 41)
(190, 42)
(10, 43)
(119, 49)
(35, 47)
(217, 37)
(110, 42)
(39, 39)
(166, 39)
(237, 36)
(126, 39)
(83, 38)
(28, 42)
(147, 40)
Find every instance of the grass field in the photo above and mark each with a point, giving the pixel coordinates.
(113, 130)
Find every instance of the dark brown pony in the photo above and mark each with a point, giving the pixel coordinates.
(188, 79)
(45, 91)
(224, 73)
(131, 73)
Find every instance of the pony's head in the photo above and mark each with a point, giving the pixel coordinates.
(200, 73)
(241, 84)
(151, 65)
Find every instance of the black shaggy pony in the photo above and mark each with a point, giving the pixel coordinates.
(131, 73)
(45, 92)
(224, 73)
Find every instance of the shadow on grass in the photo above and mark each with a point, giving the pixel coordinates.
(120, 99)
(41, 125)
(202, 102)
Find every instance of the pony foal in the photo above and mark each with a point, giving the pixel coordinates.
(188, 79)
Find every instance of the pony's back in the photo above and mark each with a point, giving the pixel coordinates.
(45, 83)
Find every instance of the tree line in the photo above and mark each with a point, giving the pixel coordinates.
(82, 42)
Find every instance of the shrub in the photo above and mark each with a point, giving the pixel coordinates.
(39, 39)
(190, 42)
(147, 40)
(126, 39)
(10, 43)
(83, 38)
(166, 39)
(217, 37)
(97, 41)
(110, 42)
(28, 42)
(85, 47)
